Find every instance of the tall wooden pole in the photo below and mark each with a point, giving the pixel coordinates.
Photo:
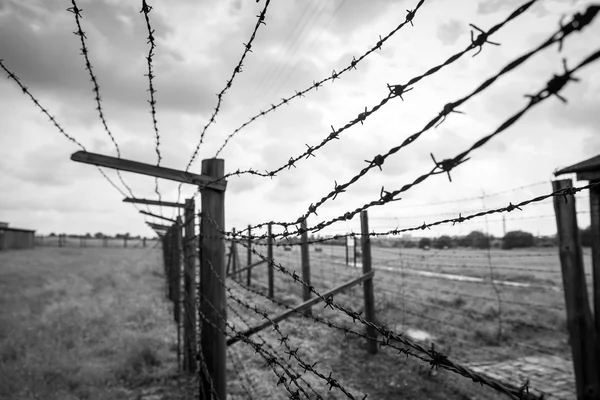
(368, 284)
(249, 273)
(212, 301)
(189, 288)
(270, 257)
(579, 316)
(595, 231)
(305, 266)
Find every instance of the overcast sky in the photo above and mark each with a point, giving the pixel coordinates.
(198, 45)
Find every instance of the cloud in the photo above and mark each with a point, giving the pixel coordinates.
(449, 32)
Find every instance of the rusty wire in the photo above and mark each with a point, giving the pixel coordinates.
(334, 75)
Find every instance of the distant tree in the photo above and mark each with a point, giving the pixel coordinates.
(424, 242)
(52, 234)
(98, 235)
(478, 240)
(88, 235)
(462, 241)
(442, 241)
(585, 236)
(517, 239)
(409, 244)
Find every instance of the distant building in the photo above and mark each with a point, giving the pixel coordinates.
(14, 238)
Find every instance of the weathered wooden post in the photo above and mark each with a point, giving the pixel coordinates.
(270, 257)
(175, 281)
(305, 266)
(125, 242)
(213, 304)
(104, 241)
(595, 229)
(144, 242)
(249, 273)
(579, 315)
(368, 284)
(346, 240)
(189, 255)
(354, 249)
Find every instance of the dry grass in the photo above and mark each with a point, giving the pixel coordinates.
(83, 324)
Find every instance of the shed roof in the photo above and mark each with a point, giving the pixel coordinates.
(589, 165)
(15, 229)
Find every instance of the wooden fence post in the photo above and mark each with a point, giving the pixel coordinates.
(346, 246)
(213, 301)
(175, 281)
(579, 316)
(125, 242)
(305, 266)
(354, 249)
(368, 284)
(270, 257)
(144, 242)
(232, 254)
(189, 284)
(249, 273)
(595, 230)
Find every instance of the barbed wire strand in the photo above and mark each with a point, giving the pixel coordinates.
(146, 10)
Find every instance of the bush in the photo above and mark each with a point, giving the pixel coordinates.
(518, 239)
(478, 240)
(424, 242)
(442, 241)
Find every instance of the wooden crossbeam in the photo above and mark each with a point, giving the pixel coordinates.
(153, 202)
(246, 268)
(158, 226)
(157, 216)
(147, 169)
(299, 308)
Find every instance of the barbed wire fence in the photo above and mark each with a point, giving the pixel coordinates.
(185, 254)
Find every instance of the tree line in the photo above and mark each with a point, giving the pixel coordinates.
(99, 235)
(475, 239)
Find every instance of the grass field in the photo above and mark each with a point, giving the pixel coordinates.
(464, 319)
(93, 323)
(86, 324)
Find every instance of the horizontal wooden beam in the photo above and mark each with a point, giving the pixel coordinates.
(246, 268)
(147, 169)
(299, 308)
(153, 202)
(157, 216)
(158, 226)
